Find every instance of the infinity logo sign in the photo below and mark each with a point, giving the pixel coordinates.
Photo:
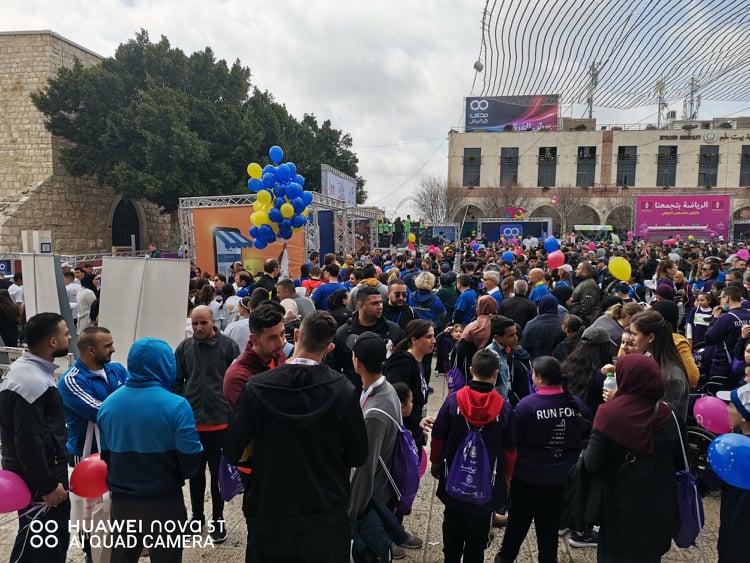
(475, 105)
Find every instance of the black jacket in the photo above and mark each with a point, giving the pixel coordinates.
(32, 425)
(403, 367)
(305, 430)
(201, 366)
(341, 358)
(518, 308)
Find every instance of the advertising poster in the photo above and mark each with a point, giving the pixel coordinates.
(338, 185)
(699, 215)
(523, 113)
(221, 238)
(448, 232)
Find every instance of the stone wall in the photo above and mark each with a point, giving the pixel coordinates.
(35, 190)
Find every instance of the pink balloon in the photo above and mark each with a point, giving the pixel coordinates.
(591, 246)
(14, 493)
(712, 414)
(665, 242)
(630, 234)
(555, 259)
(743, 254)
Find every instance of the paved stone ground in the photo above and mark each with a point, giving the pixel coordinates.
(425, 522)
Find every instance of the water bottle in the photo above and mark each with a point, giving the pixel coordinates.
(610, 383)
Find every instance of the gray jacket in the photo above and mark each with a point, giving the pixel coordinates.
(586, 301)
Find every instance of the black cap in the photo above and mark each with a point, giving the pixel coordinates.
(368, 347)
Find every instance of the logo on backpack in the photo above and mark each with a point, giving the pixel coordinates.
(471, 477)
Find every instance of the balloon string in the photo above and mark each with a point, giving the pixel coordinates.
(36, 506)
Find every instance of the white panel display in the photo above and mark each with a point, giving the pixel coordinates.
(143, 297)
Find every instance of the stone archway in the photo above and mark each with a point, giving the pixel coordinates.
(548, 211)
(621, 219)
(127, 218)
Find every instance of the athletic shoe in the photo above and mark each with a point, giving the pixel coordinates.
(412, 542)
(561, 532)
(201, 519)
(397, 552)
(219, 533)
(586, 539)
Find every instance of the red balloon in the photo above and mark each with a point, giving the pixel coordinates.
(89, 478)
(555, 259)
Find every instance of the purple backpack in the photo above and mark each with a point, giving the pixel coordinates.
(230, 482)
(471, 477)
(455, 379)
(403, 473)
(689, 502)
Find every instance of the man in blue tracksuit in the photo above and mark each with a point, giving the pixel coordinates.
(92, 378)
(150, 445)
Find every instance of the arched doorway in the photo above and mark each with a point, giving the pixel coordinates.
(621, 219)
(548, 211)
(124, 224)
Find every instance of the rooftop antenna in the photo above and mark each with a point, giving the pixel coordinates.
(660, 90)
(692, 102)
(593, 83)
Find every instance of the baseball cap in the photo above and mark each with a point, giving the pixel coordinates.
(66, 265)
(368, 346)
(603, 259)
(507, 264)
(595, 335)
(622, 288)
(566, 267)
(740, 398)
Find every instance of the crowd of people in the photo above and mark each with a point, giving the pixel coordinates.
(312, 385)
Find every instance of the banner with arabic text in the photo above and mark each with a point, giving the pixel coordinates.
(702, 216)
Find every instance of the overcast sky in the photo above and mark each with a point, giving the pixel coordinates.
(392, 73)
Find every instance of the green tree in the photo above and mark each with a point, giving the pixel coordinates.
(155, 123)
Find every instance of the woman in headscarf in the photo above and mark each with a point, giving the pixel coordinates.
(635, 450)
(477, 334)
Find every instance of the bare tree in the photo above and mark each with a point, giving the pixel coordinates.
(494, 201)
(570, 206)
(437, 202)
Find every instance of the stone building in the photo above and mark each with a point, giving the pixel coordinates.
(36, 192)
(603, 168)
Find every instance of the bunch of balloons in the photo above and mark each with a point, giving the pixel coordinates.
(555, 201)
(282, 206)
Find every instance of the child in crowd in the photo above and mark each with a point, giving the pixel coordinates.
(466, 526)
(445, 344)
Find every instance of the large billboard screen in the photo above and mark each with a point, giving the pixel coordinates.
(703, 216)
(523, 113)
(338, 185)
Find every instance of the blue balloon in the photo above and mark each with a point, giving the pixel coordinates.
(551, 244)
(269, 180)
(299, 179)
(298, 221)
(254, 232)
(278, 202)
(292, 169)
(274, 215)
(282, 173)
(286, 235)
(276, 154)
(285, 225)
(307, 197)
(264, 231)
(729, 457)
(280, 190)
(270, 238)
(475, 247)
(269, 169)
(293, 189)
(260, 244)
(298, 204)
(254, 185)
(508, 256)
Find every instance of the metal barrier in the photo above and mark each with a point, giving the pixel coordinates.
(9, 354)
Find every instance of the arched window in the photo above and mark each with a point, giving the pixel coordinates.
(125, 223)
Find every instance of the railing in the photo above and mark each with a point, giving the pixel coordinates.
(9, 354)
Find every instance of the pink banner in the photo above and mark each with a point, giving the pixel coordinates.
(702, 216)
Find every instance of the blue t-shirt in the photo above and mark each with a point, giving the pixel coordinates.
(467, 303)
(322, 293)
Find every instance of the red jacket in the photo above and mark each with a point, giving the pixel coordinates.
(247, 365)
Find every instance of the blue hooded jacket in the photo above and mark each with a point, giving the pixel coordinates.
(148, 433)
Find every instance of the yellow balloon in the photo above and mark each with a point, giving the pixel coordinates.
(691, 237)
(305, 211)
(620, 268)
(264, 196)
(412, 237)
(258, 206)
(254, 170)
(287, 211)
(259, 218)
(275, 227)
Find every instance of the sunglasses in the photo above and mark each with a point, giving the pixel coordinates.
(399, 294)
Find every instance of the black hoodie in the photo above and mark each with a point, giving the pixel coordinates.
(305, 430)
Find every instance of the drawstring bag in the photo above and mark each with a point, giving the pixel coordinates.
(230, 482)
(455, 378)
(689, 502)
